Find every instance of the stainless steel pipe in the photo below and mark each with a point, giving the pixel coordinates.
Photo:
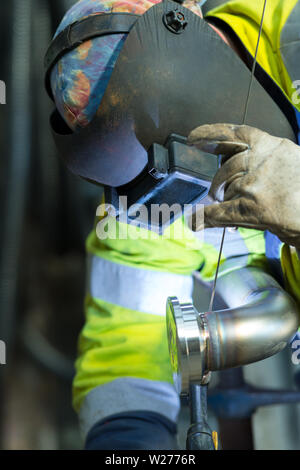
(260, 320)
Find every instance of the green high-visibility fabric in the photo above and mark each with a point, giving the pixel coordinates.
(117, 342)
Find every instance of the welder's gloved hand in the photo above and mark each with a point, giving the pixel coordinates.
(258, 183)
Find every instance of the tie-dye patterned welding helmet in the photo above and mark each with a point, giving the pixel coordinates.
(130, 79)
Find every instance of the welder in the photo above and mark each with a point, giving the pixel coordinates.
(123, 388)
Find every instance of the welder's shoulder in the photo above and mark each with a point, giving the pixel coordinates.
(289, 40)
(280, 44)
(281, 18)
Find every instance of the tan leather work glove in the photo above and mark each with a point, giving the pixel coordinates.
(258, 182)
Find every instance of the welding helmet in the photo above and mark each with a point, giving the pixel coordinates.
(131, 81)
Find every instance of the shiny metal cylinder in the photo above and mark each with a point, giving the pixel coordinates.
(258, 322)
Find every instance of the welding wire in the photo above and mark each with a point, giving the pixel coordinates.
(211, 303)
(254, 63)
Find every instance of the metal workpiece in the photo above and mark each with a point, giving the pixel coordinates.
(187, 344)
(258, 322)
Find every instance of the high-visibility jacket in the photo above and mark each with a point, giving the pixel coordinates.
(123, 362)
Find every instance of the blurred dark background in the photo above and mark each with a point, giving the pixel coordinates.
(46, 215)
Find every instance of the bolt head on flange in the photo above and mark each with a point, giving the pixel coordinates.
(187, 344)
(175, 21)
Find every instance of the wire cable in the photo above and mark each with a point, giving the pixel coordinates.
(211, 303)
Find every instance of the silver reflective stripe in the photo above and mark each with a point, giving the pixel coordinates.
(137, 289)
(128, 394)
(228, 265)
(232, 264)
(234, 243)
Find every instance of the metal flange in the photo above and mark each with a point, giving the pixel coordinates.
(260, 320)
(187, 337)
